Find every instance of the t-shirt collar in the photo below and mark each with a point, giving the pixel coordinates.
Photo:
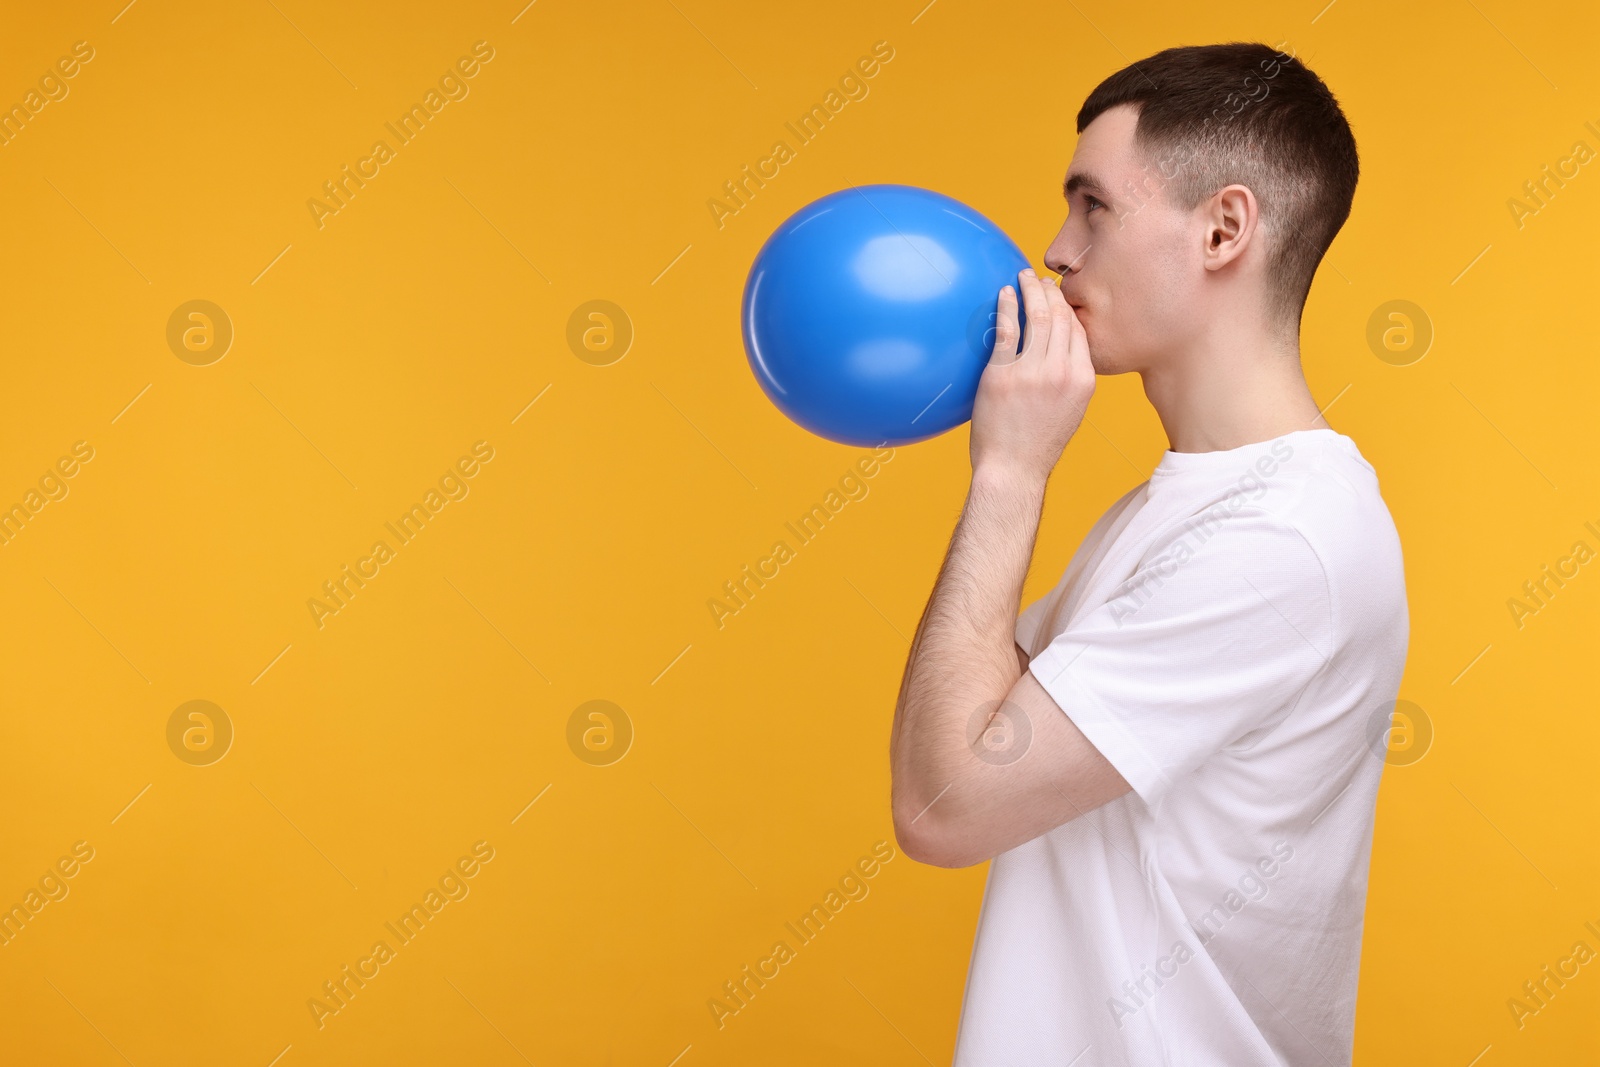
(1238, 458)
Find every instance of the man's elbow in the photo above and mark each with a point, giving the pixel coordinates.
(924, 839)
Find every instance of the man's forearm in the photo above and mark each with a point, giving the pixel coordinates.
(963, 655)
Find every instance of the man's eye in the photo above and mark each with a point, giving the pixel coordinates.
(1090, 203)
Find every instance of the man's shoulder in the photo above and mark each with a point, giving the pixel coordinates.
(1333, 502)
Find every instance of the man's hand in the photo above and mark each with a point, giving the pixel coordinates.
(1030, 404)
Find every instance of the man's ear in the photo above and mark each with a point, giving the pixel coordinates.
(1231, 218)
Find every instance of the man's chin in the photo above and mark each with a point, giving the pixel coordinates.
(1103, 363)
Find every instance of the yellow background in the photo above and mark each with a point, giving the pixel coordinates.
(427, 314)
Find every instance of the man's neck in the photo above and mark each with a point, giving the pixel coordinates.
(1232, 396)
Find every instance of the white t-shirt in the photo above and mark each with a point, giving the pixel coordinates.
(1230, 635)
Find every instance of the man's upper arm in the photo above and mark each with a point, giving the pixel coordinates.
(1189, 658)
(1181, 663)
(1031, 770)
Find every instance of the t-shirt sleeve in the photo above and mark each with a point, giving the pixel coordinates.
(1028, 622)
(1213, 636)
(1032, 617)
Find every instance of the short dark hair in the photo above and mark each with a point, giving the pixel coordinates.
(1245, 113)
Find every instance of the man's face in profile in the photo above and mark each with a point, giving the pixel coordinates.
(1129, 259)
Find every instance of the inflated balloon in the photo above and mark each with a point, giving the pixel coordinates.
(869, 314)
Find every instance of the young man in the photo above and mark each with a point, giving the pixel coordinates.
(1172, 758)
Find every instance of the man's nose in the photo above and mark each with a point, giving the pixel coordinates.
(1063, 259)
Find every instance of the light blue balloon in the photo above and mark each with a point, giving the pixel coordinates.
(869, 314)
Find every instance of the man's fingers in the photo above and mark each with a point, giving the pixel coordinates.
(1079, 334)
(1037, 310)
(1070, 345)
(1060, 323)
(1006, 330)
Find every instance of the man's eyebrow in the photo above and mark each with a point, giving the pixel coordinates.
(1081, 180)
